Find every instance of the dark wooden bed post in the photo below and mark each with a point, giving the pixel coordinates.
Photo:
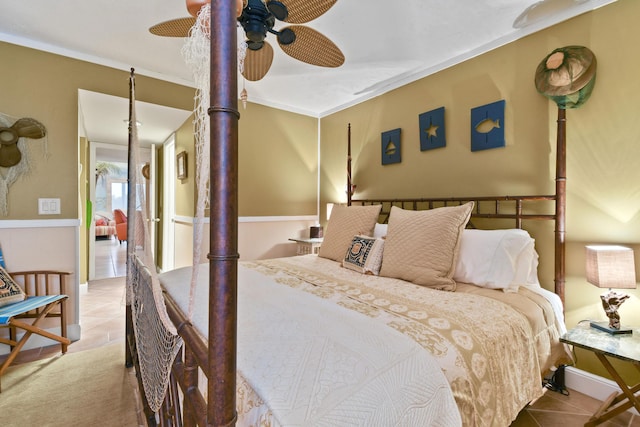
(561, 200)
(129, 320)
(349, 192)
(223, 249)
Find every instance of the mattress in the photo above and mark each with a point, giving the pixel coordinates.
(319, 344)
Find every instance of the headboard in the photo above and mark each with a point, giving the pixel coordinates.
(517, 208)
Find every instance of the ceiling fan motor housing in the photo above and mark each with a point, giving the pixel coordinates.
(256, 21)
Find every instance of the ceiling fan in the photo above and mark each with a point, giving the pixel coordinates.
(258, 18)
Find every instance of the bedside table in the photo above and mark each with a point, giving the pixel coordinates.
(624, 347)
(308, 246)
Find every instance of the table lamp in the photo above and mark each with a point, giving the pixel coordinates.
(610, 267)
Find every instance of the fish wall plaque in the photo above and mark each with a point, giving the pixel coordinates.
(487, 126)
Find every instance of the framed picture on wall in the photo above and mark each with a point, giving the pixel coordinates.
(181, 166)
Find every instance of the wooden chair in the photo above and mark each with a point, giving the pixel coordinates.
(46, 297)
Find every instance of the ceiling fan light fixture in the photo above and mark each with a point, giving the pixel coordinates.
(256, 31)
(254, 45)
(194, 6)
(286, 36)
(278, 9)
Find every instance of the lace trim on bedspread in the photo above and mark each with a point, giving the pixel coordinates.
(490, 382)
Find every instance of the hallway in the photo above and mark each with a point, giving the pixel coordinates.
(110, 259)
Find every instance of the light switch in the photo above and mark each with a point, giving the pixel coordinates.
(48, 206)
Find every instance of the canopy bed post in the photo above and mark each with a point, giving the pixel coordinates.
(129, 325)
(349, 185)
(567, 77)
(223, 254)
(561, 183)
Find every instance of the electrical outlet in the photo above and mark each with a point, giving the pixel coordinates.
(48, 206)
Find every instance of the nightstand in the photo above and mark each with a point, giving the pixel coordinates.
(624, 347)
(308, 246)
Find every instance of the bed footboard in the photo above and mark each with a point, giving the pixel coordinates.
(184, 404)
(191, 360)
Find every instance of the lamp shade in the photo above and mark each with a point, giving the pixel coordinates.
(611, 267)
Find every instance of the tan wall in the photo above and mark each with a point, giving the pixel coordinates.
(278, 162)
(45, 86)
(185, 188)
(603, 177)
(278, 177)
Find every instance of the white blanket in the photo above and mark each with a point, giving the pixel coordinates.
(311, 362)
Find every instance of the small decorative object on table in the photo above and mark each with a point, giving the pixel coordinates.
(315, 232)
(611, 267)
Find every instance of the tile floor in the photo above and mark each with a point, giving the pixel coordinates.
(102, 313)
(110, 258)
(556, 410)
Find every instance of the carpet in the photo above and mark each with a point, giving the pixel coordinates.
(87, 388)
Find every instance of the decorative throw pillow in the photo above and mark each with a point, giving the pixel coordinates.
(10, 291)
(346, 222)
(422, 246)
(364, 255)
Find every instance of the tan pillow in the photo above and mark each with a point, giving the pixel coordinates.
(346, 222)
(10, 291)
(364, 255)
(422, 246)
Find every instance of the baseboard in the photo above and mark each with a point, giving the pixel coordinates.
(83, 288)
(590, 384)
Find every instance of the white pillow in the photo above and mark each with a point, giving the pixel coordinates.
(497, 259)
(380, 230)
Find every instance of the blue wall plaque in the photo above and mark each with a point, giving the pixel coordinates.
(391, 147)
(432, 129)
(487, 126)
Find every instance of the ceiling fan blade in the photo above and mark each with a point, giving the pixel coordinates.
(29, 128)
(179, 27)
(257, 62)
(312, 47)
(301, 11)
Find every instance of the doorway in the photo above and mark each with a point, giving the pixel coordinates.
(108, 192)
(103, 118)
(169, 211)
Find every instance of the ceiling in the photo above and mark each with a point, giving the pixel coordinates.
(385, 47)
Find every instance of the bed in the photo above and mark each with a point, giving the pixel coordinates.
(308, 341)
(323, 344)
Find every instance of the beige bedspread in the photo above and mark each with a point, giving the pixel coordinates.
(492, 347)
